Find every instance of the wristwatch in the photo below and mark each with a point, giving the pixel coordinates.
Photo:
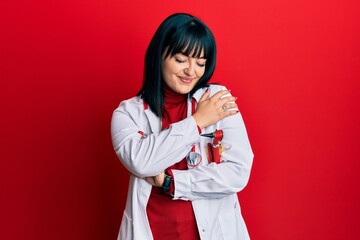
(167, 181)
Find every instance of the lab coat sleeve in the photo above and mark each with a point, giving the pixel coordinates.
(218, 180)
(149, 154)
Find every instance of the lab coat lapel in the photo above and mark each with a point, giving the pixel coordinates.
(154, 121)
(198, 94)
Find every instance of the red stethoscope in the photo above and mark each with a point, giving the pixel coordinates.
(193, 159)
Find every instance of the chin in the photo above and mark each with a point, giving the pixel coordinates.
(184, 91)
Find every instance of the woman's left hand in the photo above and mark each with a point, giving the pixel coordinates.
(156, 181)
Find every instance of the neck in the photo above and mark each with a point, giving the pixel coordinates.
(173, 97)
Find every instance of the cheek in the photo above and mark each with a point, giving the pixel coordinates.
(201, 72)
(166, 70)
(170, 69)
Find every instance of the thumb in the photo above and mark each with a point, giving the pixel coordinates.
(205, 95)
(150, 180)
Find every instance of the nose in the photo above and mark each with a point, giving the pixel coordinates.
(190, 68)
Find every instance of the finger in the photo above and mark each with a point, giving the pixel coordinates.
(220, 94)
(228, 99)
(229, 106)
(158, 180)
(150, 180)
(205, 95)
(229, 113)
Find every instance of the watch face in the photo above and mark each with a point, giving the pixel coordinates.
(193, 159)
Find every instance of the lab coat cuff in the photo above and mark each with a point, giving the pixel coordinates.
(192, 119)
(182, 181)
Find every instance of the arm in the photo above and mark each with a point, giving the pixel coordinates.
(218, 180)
(149, 156)
(232, 174)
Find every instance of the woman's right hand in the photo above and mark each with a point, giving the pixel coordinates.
(156, 181)
(212, 109)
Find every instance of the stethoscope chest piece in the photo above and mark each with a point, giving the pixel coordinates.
(193, 159)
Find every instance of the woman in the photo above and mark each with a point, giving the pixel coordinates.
(183, 141)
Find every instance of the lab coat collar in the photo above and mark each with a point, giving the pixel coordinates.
(198, 94)
(155, 121)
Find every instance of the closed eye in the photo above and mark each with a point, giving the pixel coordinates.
(179, 60)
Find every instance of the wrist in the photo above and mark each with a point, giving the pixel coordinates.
(197, 121)
(166, 186)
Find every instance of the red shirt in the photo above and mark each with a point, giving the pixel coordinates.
(172, 219)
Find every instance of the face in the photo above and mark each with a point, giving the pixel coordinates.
(181, 72)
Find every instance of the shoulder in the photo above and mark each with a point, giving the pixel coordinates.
(132, 104)
(214, 88)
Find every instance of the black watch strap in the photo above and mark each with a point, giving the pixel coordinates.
(167, 182)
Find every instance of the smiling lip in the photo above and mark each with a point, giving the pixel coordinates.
(186, 80)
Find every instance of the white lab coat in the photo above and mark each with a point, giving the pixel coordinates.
(211, 188)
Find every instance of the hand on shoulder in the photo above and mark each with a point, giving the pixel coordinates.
(215, 108)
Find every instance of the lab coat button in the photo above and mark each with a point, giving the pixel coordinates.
(203, 230)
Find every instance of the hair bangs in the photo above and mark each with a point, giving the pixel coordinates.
(193, 43)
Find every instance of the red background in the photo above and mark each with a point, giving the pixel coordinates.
(66, 65)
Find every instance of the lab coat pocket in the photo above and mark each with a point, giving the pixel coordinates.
(230, 224)
(126, 231)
